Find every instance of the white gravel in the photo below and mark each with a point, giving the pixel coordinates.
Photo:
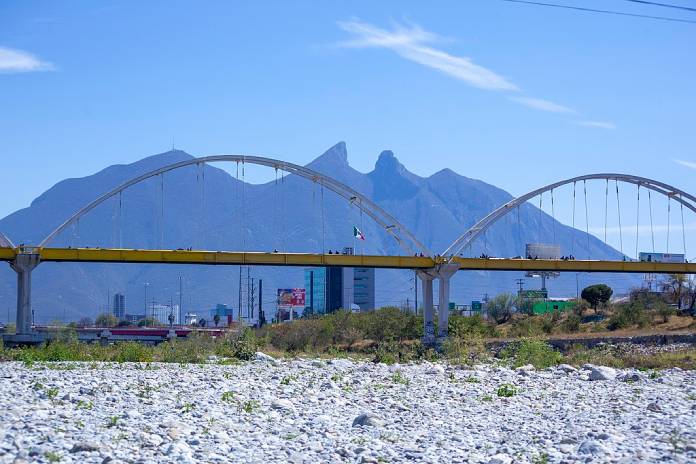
(315, 411)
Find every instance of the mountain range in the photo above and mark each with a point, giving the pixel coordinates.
(207, 207)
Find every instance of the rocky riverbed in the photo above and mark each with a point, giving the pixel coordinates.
(343, 411)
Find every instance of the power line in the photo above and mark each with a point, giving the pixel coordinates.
(666, 5)
(592, 10)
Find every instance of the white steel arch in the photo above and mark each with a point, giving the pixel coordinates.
(406, 240)
(5, 242)
(481, 226)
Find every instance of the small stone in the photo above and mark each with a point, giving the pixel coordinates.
(84, 446)
(436, 369)
(654, 407)
(263, 357)
(283, 404)
(567, 368)
(592, 447)
(368, 420)
(500, 459)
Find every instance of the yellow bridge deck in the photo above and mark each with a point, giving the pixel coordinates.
(109, 255)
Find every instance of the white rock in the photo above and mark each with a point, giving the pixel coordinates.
(500, 459)
(263, 357)
(602, 373)
(368, 420)
(283, 404)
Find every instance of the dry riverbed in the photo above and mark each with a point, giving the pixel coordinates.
(343, 411)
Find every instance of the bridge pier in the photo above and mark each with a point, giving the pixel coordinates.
(427, 276)
(23, 265)
(444, 274)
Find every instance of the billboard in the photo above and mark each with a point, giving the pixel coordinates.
(543, 251)
(662, 257)
(291, 297)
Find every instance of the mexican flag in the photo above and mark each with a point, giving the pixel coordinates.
(357, 234)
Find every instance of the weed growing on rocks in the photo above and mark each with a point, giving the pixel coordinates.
(398, 377)
(506, 390)
(535, 352)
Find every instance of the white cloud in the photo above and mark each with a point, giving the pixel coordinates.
(15, 61)
(597, 124)
(410, 43)
(543, 105)
(688, 164)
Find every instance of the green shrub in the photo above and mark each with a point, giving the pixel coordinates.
(571, 324)
(473, 326)
(132, 352)
(535, 352)
(464, 350)
(245, 346)
(506, 390)
(627, 315)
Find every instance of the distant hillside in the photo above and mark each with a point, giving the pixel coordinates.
(221, 212)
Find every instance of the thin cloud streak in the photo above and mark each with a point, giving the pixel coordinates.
(17, 61)
(543, 105)
(409, 43)
(688, 164)
(597, 124)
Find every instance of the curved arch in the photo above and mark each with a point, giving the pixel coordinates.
(406, 240)
(477, 229)
(5, 242)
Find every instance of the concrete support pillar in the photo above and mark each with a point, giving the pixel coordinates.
(23, 264)
(426, 277)
(444, 274)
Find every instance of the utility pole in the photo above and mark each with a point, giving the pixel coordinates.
(181, 294)
(415, 290)
(262, 318)
(251, 297)
(248, 290)
(108, 300)
(520, 282)
(239, 291)
(146, 284)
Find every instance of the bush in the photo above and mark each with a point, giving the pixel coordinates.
(571, 324)
(465, 351)
(105, 320)
(245, 346)
(535, 352)
(500, 307)
(132, 352)
(473, 326)
(627, 315)
(506, 390)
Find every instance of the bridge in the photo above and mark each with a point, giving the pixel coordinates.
(429, 267)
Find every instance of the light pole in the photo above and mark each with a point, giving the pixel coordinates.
(146, 284)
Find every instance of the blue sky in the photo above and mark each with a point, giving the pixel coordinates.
(516, 95)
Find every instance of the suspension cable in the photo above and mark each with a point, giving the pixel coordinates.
(323, 228)
(572, 243)
(161, 223)
(120, 220)
(587, 219)
(652, 231)
(618, 210)
(638, 220)
(683, 228)
(669, 211)
(553, 215)
(541, 212)
(606, 210)
(519, 228)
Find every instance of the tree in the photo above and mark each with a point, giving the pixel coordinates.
(124, 323)
(105, 320)
(202, 322)
(676, 289)
(596, 294)
(148, 322)
(500, 307)
(216, 319)
(525, 305)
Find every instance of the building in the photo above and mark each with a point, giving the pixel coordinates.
(161, 313)
(364, 288)
(119, 308)
(226, 314)
(331, 288)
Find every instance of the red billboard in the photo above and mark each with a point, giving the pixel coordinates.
(291, 297)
